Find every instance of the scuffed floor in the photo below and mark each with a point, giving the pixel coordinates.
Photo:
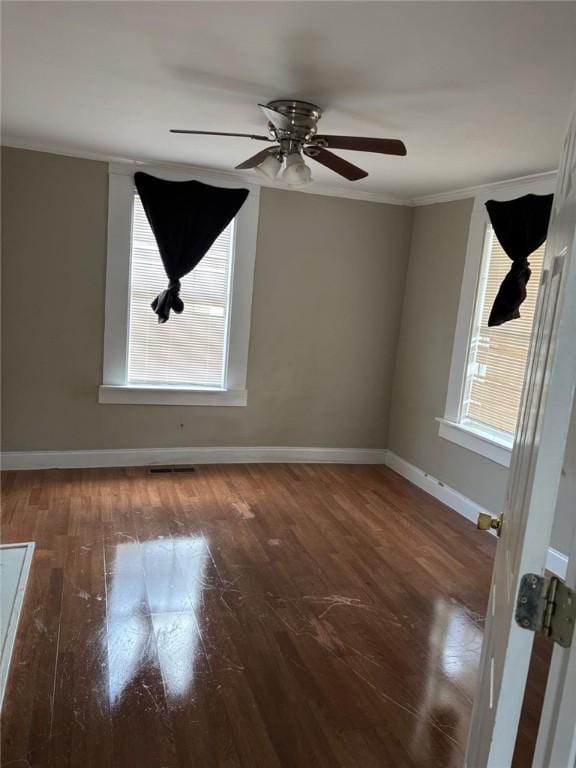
(260, 615)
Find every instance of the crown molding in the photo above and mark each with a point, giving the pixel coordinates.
(246, 177)
(60, 149)
(468, 192)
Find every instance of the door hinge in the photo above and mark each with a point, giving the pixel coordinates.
(547, 606)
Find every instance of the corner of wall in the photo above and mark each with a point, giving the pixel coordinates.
(401, 321)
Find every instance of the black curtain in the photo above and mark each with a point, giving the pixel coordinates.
(186, 217)
(520, 226)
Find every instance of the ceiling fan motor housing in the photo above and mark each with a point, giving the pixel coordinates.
(303, 119)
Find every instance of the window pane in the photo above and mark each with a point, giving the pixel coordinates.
(498, 356)
(190, 349)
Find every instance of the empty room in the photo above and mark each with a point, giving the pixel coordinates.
(288, 435)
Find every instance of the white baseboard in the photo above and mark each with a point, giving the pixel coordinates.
(444, 493)
(138, 457)
(556, 561)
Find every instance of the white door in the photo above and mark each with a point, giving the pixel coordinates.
(556, 744)
(533, 481)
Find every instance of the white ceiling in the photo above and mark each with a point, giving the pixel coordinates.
(479, 91)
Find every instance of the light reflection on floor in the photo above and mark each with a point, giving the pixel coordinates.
(154, 590)
(454, 645)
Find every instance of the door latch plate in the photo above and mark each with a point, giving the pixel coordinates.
(546, 606)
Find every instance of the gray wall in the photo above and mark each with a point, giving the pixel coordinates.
(330, 320)
(325, 320)
(432, 293)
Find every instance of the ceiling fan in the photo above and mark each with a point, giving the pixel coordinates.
(292, 128)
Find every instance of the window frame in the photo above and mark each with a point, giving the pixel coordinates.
(493, 444)
(115, 387)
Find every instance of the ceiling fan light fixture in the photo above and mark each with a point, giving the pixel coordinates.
(269, 167)
(296, 173)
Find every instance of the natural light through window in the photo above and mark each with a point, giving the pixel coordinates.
(497, 356)
(190, 350)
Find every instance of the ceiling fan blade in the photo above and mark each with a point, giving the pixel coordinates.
(337, 164)
(219, 133)
(362, 144)
(277, 119)
(255, 160)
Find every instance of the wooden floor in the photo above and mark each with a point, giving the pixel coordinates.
(263, 615)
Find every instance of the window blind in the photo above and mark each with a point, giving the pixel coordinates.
(497, 356)
(190, 350)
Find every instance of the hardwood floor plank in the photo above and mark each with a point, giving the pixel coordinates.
(245, 616)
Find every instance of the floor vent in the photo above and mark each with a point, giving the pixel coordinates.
(170, 470)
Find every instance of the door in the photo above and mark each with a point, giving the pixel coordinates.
(532, 482)
(556, 744)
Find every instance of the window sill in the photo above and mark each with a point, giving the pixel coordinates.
(491, 446)
(135, 395)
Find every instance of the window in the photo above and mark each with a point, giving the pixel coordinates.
(190, 349)
(497, 356)
(488, 364)
(200, 356)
